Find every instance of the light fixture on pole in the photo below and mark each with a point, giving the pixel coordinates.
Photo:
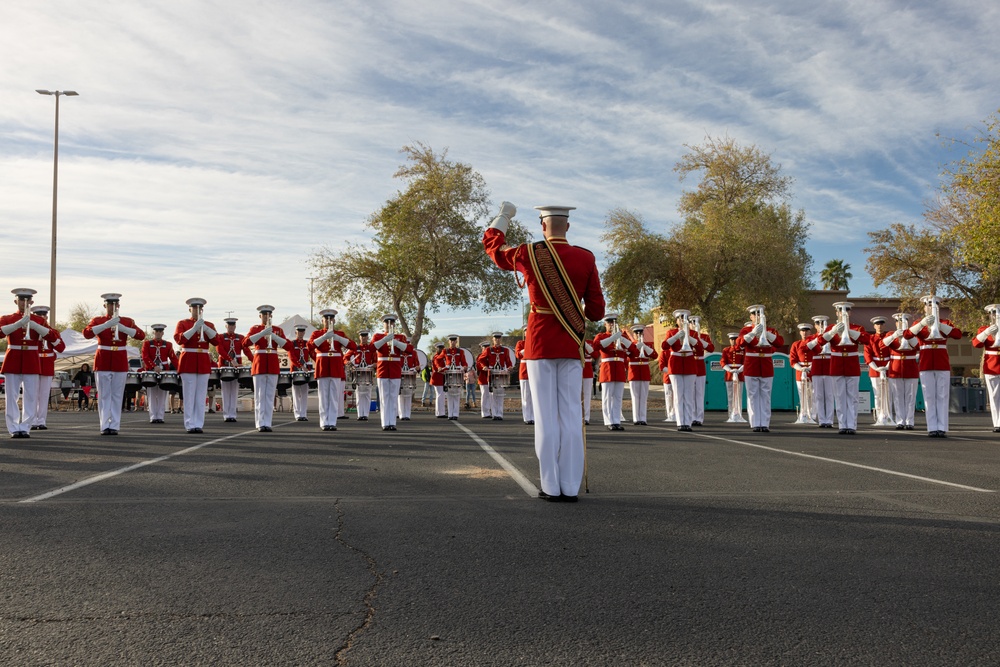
(55, 192)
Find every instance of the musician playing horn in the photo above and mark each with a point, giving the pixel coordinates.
(663, 362)
(823, 396)
(845, 342)
(558, 275)
(438, 364)
(935, 365)
(328, 348)
(391, 348)
(877, 359)
(262, 342)
(639, 375)
(904, 371)
(111, 362)
(194, 364)
(732, 363)
(232, 343)
(800, 357)
(453, 361)
(299, 361)
(758, 343)
(986, 339)
(48, 346)
(21, 365)
(682, 367)
(615, 351)
(157, 356)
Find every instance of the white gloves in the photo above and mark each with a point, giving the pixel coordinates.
(589, 348)
(992, 330)
(983, 335)
(278, 339)
(334, 336)
(890, 337)
(128, 331)
(611, 340)
(692, 340)
(647, 350)
(40, 329)
(253, 339)
(676, 337)
(399, 345)
(502, 219)
(945, 328)
(380, 342)
(98, 328)
(757, 331)
(8, 329)
(739, 369)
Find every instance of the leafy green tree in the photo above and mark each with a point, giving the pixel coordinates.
(835, 275)
(426, 252)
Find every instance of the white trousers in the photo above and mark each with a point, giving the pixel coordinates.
(937, 396)
(406, 404)
(21, 419)
(699, 398)
(485, 401)
(157, 399)
(497, 397)
(527, 411)
(265, 385)
(330, 392)
(845, 397)
(452, 402)
(611, 402)
(587, 398)
(110, 393)
(877, 385)
(42, 395)
(683, 386)
(904, 399)
(556, 392)
(668, 401)
(759, 401)
(230, 393)
(440, 401)
(364, 398)
(640, 397)
(195, 389)
(388, 391)
(993, 393)
(807, 407)
(823, 396)
(300, 400)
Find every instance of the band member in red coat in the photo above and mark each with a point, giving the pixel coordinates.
(262, 342)
(845, 369)
(819, 370)
(614, 350)
(877, 359)
(407, 384)
(364, 360)
(498, 362)
(48, 347)
(682, 343)
(558, 275)
(732, 364)
(522, 375)
(483, 380)
(454, 366)
(935, 365)
(300, 362)
(194, 364)
(758, 343)
(437, 381)
(986, 340)
(157, 356)
(329, 347)
(800, 357)
(111, 362)
(638, 375)
(391, 347)
(904, 372)
(21, 365)
(663, 361)
(230, 355)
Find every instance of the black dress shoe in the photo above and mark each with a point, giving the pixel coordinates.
(547, 497)
(640, 423)
(695, 423)
(487, 417)
(406, 419)
(568, 499)
(264, 429)
(764, 429)
(586, 423)
(363, 419)
(301, 419)
(106, 431)
(20, 434)
(531, 422)
(909, 427)
(230, 419)
(686, 429)
(454, 419)
(386, 428)
(619, 427)
(996, 430)
(900, 427)
(34, 428)
(498, 419)
(442, 416)
(392, 428)
(851, 431)
(843, 431)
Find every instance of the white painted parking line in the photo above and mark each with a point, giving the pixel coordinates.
(847, 463)
(120, 471)
(521, 480)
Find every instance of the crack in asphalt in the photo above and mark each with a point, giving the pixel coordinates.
(341, 654)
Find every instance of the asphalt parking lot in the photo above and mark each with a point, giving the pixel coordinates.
(426, 546)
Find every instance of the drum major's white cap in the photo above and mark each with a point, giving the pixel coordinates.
(157, 327)
(266, 308)
(111, 296)
(196, 301)
(755, 309)
(328, 312)
(552, 210)
(843, 305)
(23, 292)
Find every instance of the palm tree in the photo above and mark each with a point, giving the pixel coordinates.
(835, 275)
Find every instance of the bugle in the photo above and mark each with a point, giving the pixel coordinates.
(936, 314)
(685, 326)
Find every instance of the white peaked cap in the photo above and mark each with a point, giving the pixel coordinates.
(900, 316)
(733, 336)
(840, 305)
(930, 298)
(992, 308)
(803, 325)
(40, 309)
(111, 296)
(196, 301)
(300, 327)
(820, 318)
(497, 334)
(680, 312)
(878, 319)
(157, 327)
(548, 211)
(388, 318)
(23, 292)
(754, 309)
(266, 308)
(638, 327)
(230, 320)
(439, 344)
(611, 317)
(452, 336)
(364, 332)
(328, 312)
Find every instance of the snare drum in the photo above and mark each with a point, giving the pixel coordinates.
(170, 381)
(245, 377)
(302, 377)
(454, 381)
(408, 382)
(213, 378)
(499, 379)
(363, 377)
(228, 373)
(133, 380)
(284, 380)
(149, 379)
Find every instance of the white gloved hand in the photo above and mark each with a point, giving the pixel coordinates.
(334, 336)
(209, 332)
(647, 350)
(756, 331)
(380, 342)
(40, 329)
(883, 370)
(399, 345)
(945, 329)
(253, 339)
(739, 369)
(992, 330)
(769, 337)
(839, 328)
(692, 340)
(98, 328)
(805, 373)
(128, 331)
(502, 219)
(929, 320)
(589, 348)
(983, 335)
(890, 337)
(278, 339)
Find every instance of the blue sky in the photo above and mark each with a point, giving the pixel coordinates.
(216, 144)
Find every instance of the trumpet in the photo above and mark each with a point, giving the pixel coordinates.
(845, 319)
(27, 326)
(936, 314)
(762, 321)
(116, 326)
(685, 327)
(392, 335)
(270, 332)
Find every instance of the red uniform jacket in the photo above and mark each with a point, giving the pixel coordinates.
(663, 360)
(707, 347)
(194, 357)
(497, 358)
(158, 353)
(364, 355)
(934, 352)
(483, 373)
(411, 363)
(111, 354)
(232, 347)
(991, 353)
(876, 353)
(437, 363)
(820, 359)
(448, 358)
(844, 360)
(21, 357)
(264, 352)
(680, 362)
(390, 359)
(522, 368)
(545, 337)
(614, 358)
(902, 355)
(329, 355)
(299, 356)
(47, 354)
(732, 357)
(638, 366)
(800, 354)
(757, 358)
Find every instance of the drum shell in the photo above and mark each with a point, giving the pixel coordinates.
(408, 382)
(302, 377)
(363, 377)
(133, 379)
(284, 380)
(499, 379)
(170, 381)
(454, 381)
(245, 377)
(213, 379)
(228, 373)
(149, 379)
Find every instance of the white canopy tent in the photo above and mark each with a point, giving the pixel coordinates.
(80, 350)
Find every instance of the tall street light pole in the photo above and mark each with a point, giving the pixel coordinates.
(55, 193)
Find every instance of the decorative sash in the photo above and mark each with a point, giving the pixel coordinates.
(558, 289)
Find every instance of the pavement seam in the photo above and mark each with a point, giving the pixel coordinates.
(341, 653)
